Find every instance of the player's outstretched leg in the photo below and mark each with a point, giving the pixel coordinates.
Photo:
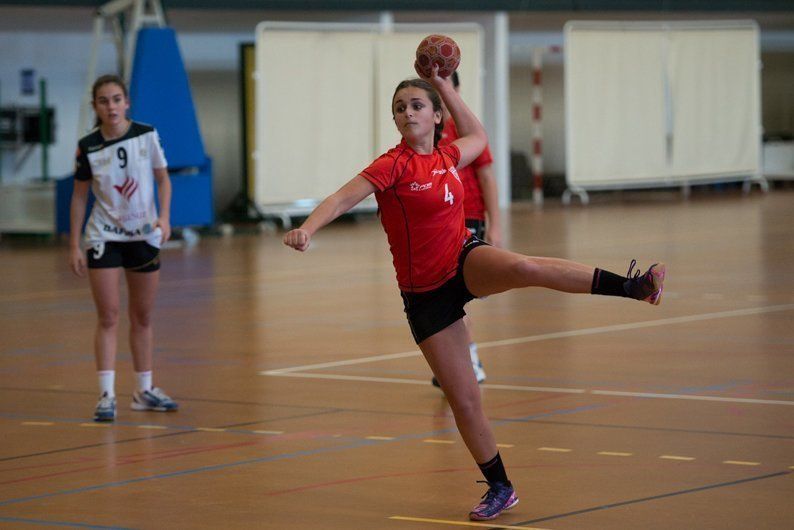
(490, 270)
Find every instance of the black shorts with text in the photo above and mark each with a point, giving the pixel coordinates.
(137, 256)
(431, 311)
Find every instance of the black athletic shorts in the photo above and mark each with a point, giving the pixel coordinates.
(476, 227)
(431, 311)
(138, 256)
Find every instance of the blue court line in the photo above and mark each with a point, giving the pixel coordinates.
(273, 458)
(59, 523)
(653, 498)
(559, 412)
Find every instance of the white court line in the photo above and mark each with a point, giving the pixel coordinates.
(295, 370)
(422, 382)
(647, 395)
(547, 336)
(691, 396)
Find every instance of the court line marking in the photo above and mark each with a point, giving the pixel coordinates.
(694, 397)
(649, 395)
(741, 463)
(42, 522)
(459, 523)
(548, 336)
(654, 497)
(38, 423)
(614, 453)
(555, 449)
(674, 457)
(436, 441)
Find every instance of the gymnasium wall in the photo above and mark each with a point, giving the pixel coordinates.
(56, 43)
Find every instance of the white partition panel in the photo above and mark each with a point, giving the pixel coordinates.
(323, 100)
(658, 103)
(314, 112)
(714, 77)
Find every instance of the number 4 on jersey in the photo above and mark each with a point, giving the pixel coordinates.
(448, 197)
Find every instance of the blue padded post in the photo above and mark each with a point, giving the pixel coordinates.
(160, 96)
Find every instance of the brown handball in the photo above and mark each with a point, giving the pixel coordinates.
(440, 50)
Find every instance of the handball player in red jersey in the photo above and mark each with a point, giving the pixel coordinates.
(441, 266)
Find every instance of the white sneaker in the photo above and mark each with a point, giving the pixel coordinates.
(105, 408)
(154, 399)
(476, 363)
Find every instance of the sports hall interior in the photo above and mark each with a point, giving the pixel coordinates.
(305, 403)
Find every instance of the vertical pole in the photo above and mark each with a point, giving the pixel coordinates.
(501, 113)
(44, 129)
(537, 126)
(1, 146)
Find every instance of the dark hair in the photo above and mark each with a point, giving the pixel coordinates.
(107, 80)
(455, 79)
(435, 99)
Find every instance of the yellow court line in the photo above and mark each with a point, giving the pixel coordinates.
(434, 441)
(380, 437)
(505, 446)
(95, 424)
(43, 423)
(460, 523)
(555, 449)
(614, 453)
(741, 463)
(210, 429)
(269, 432)
(153, 427)
(674, 457)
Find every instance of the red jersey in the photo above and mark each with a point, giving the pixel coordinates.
(473, 204)
(421, 209)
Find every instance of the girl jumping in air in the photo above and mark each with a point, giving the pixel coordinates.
(440, 266)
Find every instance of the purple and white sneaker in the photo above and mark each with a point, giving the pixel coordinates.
(500, 497)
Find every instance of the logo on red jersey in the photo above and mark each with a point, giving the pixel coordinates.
(128, 188)
(415, 186)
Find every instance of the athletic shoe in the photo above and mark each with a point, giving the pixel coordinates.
(646, 287)
(500, 497)
(154, 399)
(476, 364)
(105, 408)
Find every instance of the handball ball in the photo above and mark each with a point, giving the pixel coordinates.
(440, 50)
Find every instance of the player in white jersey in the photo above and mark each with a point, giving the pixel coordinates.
(120, 161)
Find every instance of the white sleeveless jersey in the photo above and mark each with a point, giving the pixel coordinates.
(121, 171)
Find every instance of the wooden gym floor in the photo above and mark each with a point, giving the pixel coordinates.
(305, 403)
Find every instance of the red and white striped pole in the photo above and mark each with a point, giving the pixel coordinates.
(537, 121)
